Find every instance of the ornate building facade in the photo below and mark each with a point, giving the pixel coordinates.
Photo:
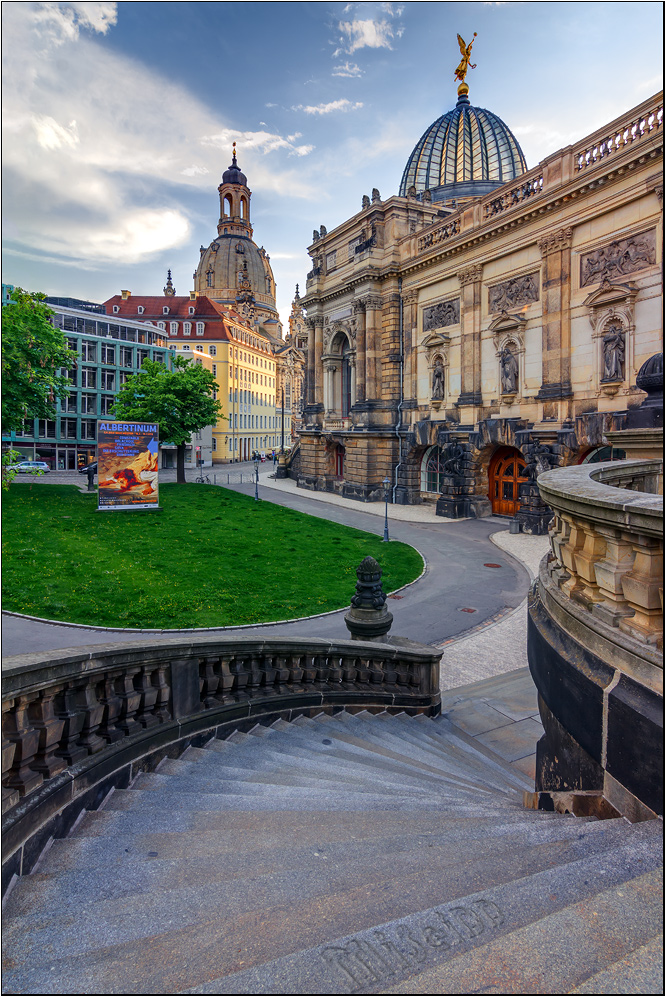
(488, 322)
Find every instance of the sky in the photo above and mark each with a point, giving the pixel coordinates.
(118, 118)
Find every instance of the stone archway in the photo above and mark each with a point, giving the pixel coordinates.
(506, 473)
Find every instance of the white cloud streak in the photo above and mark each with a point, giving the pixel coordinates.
(358, 34)
(347, 69)
(335, 105)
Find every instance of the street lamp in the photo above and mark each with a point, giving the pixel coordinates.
(256, 479)
(386, 537)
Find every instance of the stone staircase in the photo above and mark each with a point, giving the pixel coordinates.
(341, 854)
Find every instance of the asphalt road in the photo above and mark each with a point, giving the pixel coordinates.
(457, 592)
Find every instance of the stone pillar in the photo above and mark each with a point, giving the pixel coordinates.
(318, 366)
(310, 376)
(410, 341)
(555, 250)
(329, 388)
(373, 333)
(470, 322)
(352, 375)
(361, 349)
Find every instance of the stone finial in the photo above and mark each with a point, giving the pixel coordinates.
(322, 231)
(376, 199)
(368, 618)
(315, 235)
(365, 202)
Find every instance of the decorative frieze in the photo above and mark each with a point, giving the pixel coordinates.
(618, 258)
(513, 293)
(470, 274)
(556, 242)
(442, 314)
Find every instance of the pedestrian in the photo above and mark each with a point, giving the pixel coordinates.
(90, 471)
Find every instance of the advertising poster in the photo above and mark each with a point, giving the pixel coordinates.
(127, 465)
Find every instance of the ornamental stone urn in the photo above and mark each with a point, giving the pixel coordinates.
(368, 618)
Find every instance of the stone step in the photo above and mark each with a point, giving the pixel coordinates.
(289, 949)
(429, 746)
(68, 854)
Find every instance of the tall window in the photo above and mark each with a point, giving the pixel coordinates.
(187, 328)
(213, 351)
(173, 328)
(432, 470)
(200, 328)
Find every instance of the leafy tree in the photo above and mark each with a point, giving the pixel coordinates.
(9, 457)
(180, 400)
(32, 352)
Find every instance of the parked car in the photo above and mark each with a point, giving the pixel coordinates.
(30, 467)
(84, 467)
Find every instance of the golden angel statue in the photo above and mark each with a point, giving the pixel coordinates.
(466, 52)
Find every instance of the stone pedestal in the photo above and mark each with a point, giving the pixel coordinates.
(533, 515)
(368, 618)
(458, 500)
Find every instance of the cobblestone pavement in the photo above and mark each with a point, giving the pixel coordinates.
(495, 647)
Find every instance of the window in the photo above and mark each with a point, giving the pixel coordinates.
(116, 309)
(200, 328)
(108, 379)
(209, 278)
(125, 356)
(173, 328)
(47, 429)
(213, 351)
(214, 370)
(141, 310)
(214, 444)
(88, 351)
(89, 404)
(162, 326)
(432, 470)
(88, 377)
(68, 429)
(190, 310)
(165, 310)
(187, 328)
(88, 429)
(108, 354)
(186, 346)
(142, 355)
(107, 404)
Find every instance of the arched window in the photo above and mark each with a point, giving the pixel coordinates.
(209, 278)
(432, 470)
(213, 351)
(227, 204)
(603, 453)
(243, 206)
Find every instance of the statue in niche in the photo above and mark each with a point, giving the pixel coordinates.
(614, 354)
(438, 380)
(508, 372)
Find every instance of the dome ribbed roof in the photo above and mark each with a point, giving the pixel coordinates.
(466, 153)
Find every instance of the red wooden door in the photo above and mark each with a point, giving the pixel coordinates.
(506, 473)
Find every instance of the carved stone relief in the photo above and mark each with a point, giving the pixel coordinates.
(618, 258)
(442, 314)
(556, 242)
(513, 293)
(470, 274)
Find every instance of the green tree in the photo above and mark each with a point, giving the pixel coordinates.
(180, 400)
(33, 350)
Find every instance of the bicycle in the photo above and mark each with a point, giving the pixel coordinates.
(203, 479)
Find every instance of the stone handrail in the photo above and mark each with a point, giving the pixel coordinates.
(77, 722)
(607, 546)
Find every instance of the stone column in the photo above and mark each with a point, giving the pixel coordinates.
(555, 250)
(352, 376)
(310, 377)
(318, 366)
(410, 343)
(361, 346)
(470, 344)
(329, 389)
(373, 333)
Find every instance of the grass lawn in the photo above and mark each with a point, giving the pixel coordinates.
(212, 558)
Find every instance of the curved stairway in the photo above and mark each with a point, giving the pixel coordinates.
(348, 854)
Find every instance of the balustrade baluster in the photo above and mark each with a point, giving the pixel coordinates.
(617, 562)
(568, 550)
(226, 679)
(145, 713)
(130, 700)
(240, 674)
(349, 672)
(159, 680)
(209, 680)
(641, 587)
(88, 701)
(73, 717)
(41, 713)
(111, 702)
(593, 549)
(334, 670)
(25, 739)
(10, 797)
(255, 675)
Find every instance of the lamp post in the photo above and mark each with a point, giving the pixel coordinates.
(256, 480)
(386, 537)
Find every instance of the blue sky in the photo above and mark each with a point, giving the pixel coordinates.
(118, 118)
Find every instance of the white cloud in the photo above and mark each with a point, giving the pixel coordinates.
(89, 171)
(334, 105)
(195, 171)
(358, 34)
(347, 69)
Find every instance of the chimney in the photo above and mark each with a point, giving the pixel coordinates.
(126, 295)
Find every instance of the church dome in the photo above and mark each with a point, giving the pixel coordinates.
(468, 152)
(233, 263)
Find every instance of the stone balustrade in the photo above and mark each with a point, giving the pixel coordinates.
(595, 635)
(76, 723)
(607, 546)
(627, 132)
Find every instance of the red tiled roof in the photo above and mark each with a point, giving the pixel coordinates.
(216, 316)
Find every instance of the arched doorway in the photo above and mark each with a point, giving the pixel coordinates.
(506, 473)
